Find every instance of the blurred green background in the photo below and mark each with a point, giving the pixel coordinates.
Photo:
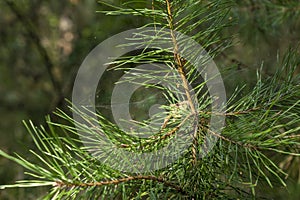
(43, 43)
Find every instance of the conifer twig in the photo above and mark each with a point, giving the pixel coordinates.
(180, 62)
(240, 112)
(229, 140)
(122, 180)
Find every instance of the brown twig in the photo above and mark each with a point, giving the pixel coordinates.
(241, 112)
(231, 114)
(122, 180)
(181, 62)
(229, 140)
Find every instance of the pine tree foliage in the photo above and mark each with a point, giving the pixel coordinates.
(259, 124)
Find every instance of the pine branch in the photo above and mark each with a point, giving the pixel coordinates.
(263, 120)
(230, 140)
(180, 63)
(236, 113)
(122, 180)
